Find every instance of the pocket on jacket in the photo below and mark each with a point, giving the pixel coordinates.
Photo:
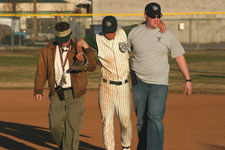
(81, 80)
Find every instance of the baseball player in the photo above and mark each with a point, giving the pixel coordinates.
(114, 92)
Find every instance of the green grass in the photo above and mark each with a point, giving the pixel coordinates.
(17, 61)
(207, 70)
(16, 70)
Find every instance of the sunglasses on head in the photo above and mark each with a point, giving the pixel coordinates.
(155, 16)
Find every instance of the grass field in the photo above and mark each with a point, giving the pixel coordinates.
(207, 68)
(207, 71)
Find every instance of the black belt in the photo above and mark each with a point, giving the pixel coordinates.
(116, 82)
(69, 88)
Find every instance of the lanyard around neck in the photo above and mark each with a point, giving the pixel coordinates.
(61, 58)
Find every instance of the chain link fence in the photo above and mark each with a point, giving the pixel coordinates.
(193, 33)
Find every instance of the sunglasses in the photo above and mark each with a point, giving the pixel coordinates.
(156, 16)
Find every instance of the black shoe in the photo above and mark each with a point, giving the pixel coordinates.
(126, 148)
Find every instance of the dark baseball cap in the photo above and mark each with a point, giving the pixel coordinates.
(153, 9)
(109, 24)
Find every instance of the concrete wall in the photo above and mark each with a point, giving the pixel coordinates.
(7, 7)
(137, 6)
(197, 28)
(168, 6)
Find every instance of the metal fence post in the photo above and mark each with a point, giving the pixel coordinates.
(197, 32)
(190, 31)
(12, 33)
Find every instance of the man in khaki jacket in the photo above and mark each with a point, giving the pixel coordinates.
(66, 88)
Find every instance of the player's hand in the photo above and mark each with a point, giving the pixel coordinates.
(188, 88)
(79, 56)
(37, 97)
(162, 27)
(85, 45)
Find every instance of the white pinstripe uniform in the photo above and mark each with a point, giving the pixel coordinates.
(113, 56)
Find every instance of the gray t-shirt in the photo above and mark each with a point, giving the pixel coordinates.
(151, 48)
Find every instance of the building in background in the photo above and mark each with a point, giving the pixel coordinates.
(208, 28)
(189, 28)
(46, 23)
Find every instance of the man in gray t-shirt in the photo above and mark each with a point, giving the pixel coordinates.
(151, 70)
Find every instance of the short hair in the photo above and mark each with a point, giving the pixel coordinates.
(62, 26)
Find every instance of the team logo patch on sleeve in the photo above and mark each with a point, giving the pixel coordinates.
(123, 47)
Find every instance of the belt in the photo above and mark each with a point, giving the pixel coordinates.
(116, 82)
(68, 88)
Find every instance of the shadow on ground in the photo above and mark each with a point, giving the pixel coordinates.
(33, 134)
(208, 146)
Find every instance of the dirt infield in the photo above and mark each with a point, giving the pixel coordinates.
(191, 123)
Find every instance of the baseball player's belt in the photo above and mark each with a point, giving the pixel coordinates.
(68, 88)
(116, 82)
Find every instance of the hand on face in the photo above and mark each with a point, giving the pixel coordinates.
(162, 27)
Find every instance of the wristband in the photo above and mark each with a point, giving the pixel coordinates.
(189, 80)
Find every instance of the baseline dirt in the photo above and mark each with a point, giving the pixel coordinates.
(191, 123)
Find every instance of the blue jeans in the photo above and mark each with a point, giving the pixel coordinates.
(149, 104)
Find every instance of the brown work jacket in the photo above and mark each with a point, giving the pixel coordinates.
(46, 71)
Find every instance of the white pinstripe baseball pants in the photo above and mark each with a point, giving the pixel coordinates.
(115, 97)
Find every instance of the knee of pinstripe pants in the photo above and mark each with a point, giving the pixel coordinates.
(106, 106)
(122, 106)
